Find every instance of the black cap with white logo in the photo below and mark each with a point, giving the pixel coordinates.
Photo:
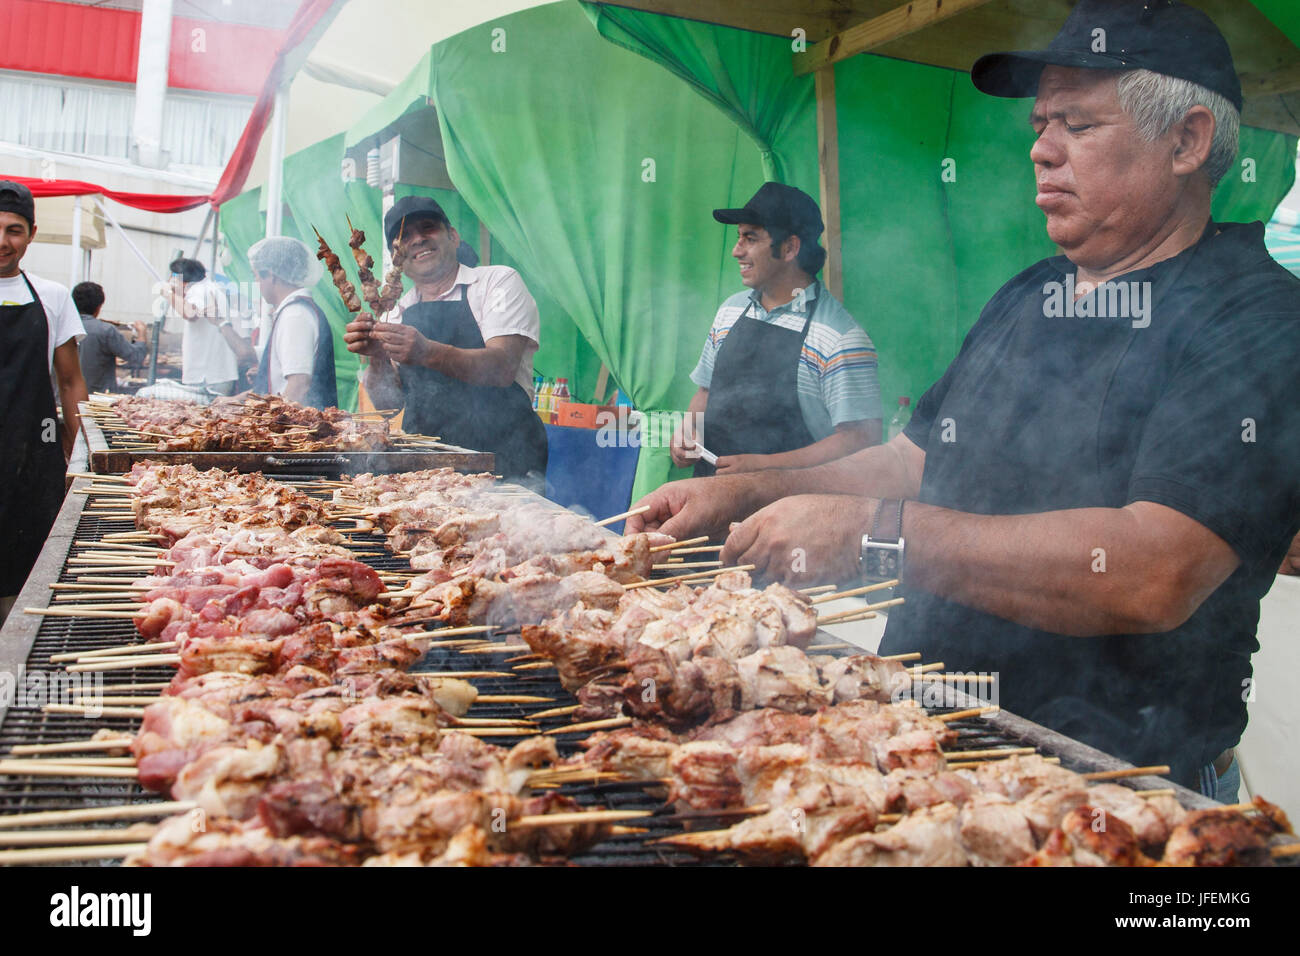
(1162, 36)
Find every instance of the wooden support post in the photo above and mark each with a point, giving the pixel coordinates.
(484, 245)
(828, 164)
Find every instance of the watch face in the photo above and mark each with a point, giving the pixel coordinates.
(881, 564)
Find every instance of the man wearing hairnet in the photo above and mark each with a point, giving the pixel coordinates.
(298, 360)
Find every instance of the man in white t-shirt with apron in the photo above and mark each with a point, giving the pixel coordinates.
(298, 360)
(207, 362)
(41, 329)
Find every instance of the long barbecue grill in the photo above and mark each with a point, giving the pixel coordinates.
(27, 642)
(114, 451)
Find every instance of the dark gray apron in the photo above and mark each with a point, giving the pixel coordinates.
(31, 468)
(754, 393)
(481, 417)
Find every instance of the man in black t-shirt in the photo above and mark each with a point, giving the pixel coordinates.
(1098, 491)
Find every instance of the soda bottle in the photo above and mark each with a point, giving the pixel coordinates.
(901, 418)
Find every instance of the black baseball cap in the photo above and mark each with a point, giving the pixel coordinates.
(416, 207)
(1162, 36)
(17, 198)
(777, 205)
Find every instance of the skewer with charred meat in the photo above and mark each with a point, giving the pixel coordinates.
(392, 290)
(369, 284)
(347, 290)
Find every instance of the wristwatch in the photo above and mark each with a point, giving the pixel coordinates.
(881, 554)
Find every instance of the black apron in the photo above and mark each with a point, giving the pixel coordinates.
(482, 417)
(323, 391)
(31, 467)
(754, 393)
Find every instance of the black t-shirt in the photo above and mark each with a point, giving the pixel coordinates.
(1187, 399)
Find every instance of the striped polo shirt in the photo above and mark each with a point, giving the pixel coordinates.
(837, 369)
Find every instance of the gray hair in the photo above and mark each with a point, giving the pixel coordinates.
(1156, 102)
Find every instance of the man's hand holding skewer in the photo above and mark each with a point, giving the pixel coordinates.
(403, 344)
(359, 338)
(804, 539)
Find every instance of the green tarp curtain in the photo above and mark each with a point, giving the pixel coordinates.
(596, 156)
(599, 171)
(746, 75)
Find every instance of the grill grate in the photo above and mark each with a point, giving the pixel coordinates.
(26, 723)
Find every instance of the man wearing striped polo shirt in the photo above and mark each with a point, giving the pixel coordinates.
(786, 379)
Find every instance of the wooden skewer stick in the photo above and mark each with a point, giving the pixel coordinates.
(130, 811)
(578, 816)
(110, 688)
(1290, 849)
(144, 660)
(91, 761)
(1168, 792)
(466, 674)
(495, 731)
(853, 612)
(962, 714)
(493, 722)
(675, 545)
(704, 549)
(1159, 771)
(697, 575)
(687, 564)
(94, 477)
(926, 668)
(494, 649)
(90, 699)
(122, 587)
(976, 764)
(78, 612)
(819, 589)
(50, 768)
(83, 837)
(619, 517)
(556, 712)
(538, 666)
(125, 650)
(910, 656)
(989, 754)
(72, 854)
(91, 711)
(514, 699)
(854, 592)
(73, 746)
(829, 647)
(592, 725)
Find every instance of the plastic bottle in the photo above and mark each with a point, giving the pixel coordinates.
(901, 418)
(544, 401)
(560, 396)
(537, 390)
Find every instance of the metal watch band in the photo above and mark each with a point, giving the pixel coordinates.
(881, 554)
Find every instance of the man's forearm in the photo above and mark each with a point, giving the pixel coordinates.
(382, 384)
(1083, 572)
(69, 397)
(296, 387)
(882, 471)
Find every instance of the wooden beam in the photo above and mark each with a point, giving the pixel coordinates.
(484, 245)
(1285, 80)
(828, 165)
(878, 31)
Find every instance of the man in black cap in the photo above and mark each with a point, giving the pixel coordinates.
(41, 328)
(1093, 498)
(786, 378)
(457, 352)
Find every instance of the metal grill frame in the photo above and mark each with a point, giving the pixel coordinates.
(25, 637)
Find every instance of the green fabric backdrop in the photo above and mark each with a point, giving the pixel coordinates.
(548, 140)
(639, 265)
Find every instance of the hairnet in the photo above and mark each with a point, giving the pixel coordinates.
(287, 259)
